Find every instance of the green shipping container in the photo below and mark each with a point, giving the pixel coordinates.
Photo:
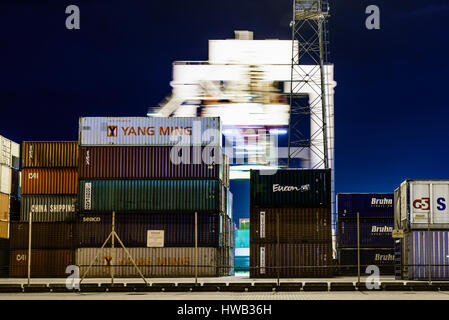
(151, 195)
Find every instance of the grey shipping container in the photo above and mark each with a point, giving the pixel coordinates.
(179, 229)
(295, 225)
(290, 188)
(416, 256)
(49, 154)
(48, 208)
(153, 262)
(152, 195)
(291, 260)
(44, 263)
(146, 162)
(44, 235)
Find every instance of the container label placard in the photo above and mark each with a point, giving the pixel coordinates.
(262, 224)
(262, 260)
(88, 196)
(155, 238)
(397, 234)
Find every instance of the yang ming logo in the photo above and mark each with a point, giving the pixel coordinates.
(112, 131)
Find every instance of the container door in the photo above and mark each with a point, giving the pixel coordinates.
(420, 203)
(440, 197)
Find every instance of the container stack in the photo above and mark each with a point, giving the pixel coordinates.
(375, 232)
(421, 212)
(290, 233)
(49, 191)
(9, 196)
(154, 173)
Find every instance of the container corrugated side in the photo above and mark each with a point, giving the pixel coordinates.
(150, 195)
(49, 154)
(293, 260)
(9, 153)
(418, 255)
(50, 181)
(295, 225)
(4, 207)
(290, 188)
(4, 258)
(153, 262)
(382, 258)
(374, 233)
(179, 229)
(134, 131)
(44, 263)
(48, 208)
(368, 205)
(44, 235)
(145, 162)
(4, 229)
(5, 179)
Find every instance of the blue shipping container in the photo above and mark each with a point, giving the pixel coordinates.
(382, 258)
(132, 228)
(241, 263)
(242, 238)
(373, 233)
(418, 259)
(368, 205)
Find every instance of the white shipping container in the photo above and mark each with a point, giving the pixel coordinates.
(9, 153)
(136, 131)
(418, 202)
(5, 179)
(153, 262)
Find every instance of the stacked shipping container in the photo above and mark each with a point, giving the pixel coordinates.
(375, 228)
(290, 233)
(421, 212)
(155, 173)
(242, 246)
(9, 196)
(49, 188)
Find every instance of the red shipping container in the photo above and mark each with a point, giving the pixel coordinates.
(293, 260)
(305, 225)
(152, 162)
(50, 181)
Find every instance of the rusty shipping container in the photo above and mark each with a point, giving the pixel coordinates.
(49, 154)
(48, 208)
(153, 262)
(44, 263)
(290, 188)
(4, 207)
(44, 235)
(294, 260)
(295, 225)
(4, 229)
(50, 181)
(147, 162)
(179, 229)
(152, 196)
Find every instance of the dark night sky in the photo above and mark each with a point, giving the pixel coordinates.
(391, 104)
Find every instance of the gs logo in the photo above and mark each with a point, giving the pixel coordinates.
(424, 204)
